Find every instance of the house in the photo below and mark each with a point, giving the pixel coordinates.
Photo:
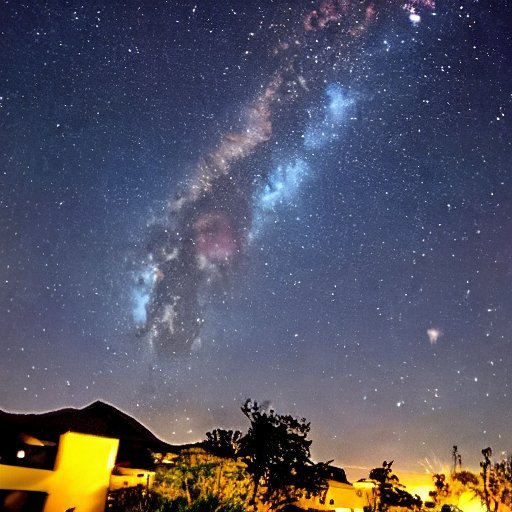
(69, 459)
(340, 496)
(79, 478)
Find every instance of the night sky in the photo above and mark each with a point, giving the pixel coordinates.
(301, 202)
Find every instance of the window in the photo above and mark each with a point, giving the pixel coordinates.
(22, 501)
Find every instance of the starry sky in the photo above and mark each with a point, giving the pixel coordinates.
(301, 202)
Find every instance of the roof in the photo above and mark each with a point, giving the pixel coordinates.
(337, 474)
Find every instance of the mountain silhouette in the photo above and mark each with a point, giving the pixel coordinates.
(136, 442)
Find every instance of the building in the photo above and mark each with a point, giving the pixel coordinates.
(79, 478)
(69, 459)
(340, 496)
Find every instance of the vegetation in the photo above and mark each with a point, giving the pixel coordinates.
(269, 468)
(196, 474)
(138, 499)
(442, 488)
(225, 443)
(276, 453)
(496, 486)
(457, 459)
(492, 486)
(390, 492)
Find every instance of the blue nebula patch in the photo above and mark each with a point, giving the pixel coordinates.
(145, 281)
(326, 124)
(285, 181)
(282, 187)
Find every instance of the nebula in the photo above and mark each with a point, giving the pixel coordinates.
(214, 238)
(333, 116)
(434, 334)
(144, 283)
(282, 187)
(225, 203)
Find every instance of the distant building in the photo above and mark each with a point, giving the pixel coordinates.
(340, 496)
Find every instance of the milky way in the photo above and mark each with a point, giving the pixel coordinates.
(303, 201)
(212, 219)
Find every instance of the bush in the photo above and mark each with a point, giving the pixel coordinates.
(139, 499)
(178, 505)
(212, 504)
(134, 499)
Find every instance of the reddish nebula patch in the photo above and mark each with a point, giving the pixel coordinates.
(329, 11)
(214, 236)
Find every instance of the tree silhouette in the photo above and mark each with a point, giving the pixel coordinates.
(442, 488)
(503, 476)
(463, 482)
(277, 453)
(497, 482)
(486, 469)
(390, 492)
(457, 459)
(466, 478)
(223, 442)
(384, 474)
